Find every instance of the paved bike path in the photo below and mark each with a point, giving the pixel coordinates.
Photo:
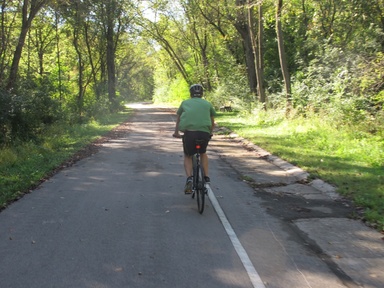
(120, 219)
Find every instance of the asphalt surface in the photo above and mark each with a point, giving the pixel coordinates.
(120, 219)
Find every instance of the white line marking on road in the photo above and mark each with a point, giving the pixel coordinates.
(252, 273)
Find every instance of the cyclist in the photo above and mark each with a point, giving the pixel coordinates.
(195, 117)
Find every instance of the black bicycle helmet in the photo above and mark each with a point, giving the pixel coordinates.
(196, 90)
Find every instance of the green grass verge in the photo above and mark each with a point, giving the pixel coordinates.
(344, 156)
(25, 165)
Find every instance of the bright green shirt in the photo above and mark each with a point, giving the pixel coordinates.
(195, 115)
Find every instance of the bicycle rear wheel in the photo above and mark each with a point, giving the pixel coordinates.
(195, 176)
(200, 190)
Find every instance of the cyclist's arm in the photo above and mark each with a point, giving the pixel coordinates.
(177, 134)
(212, 124)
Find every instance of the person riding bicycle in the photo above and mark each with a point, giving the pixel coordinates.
(195, 117)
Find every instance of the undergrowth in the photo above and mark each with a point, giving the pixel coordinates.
(351, 157)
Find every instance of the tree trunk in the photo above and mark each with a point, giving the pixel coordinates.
(17, 55)
(257, 50)
(282, 55)
(111, 68)
(243, 29)
(80, 95)
(58, 57)
(203, 45)
(249, 59)
(262, 95)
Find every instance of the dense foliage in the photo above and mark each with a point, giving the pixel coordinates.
(72, 60)
(68, 61)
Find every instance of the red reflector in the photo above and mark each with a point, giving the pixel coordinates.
(197, 146)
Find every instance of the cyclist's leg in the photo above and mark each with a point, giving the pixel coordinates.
(188, 171)
(204, 163)
(188, 165)
(203, 154)
(188, 148)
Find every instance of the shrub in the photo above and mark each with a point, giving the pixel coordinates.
(234, 91)
(25, 112)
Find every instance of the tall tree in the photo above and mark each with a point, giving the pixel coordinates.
(260, 68)
(59, 68)
(282, 55)
(42, 39)
(257, 47)
(110, 38)
(198, 41)
(115, 17)
(7, 23)
(242, 26)
(77, 35)
(29, 10)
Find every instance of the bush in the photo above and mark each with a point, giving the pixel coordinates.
(352, 93)
(234, 91)
(24, 113)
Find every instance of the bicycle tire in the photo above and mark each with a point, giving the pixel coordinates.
(200, 190)
(194, 175)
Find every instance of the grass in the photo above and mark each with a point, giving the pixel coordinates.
(342, 155)
(24, 166)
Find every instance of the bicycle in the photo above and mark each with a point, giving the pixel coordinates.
(198, 185)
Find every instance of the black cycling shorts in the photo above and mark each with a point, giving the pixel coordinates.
(189, 144)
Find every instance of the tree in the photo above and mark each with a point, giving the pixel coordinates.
(197, 39)
(161, 31)
(29, 10)
(7, 23)
(112, 14)
(260, 67)
(242, 26)
(42, 38)
(282, 55)
(257, 47)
